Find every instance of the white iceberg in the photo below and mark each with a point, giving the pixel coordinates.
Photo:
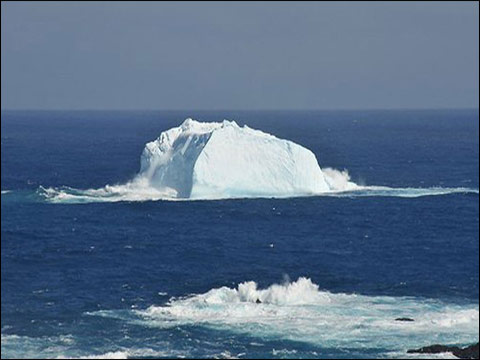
(223, 160)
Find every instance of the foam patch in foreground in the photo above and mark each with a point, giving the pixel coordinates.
(300, 311)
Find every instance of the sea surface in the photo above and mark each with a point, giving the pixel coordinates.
(305, 277)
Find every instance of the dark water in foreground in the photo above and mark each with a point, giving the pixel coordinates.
(97, 279)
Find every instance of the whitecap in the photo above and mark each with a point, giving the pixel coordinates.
(300, 311)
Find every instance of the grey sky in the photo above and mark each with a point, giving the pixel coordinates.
(239, 55)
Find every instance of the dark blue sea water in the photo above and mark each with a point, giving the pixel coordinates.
(97, 279)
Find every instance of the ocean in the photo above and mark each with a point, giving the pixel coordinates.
(299, 277)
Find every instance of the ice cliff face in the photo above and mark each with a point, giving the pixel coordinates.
(223, 160)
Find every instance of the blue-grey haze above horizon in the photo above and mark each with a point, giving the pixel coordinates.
(230, 55)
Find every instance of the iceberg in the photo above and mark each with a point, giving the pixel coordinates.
(223, 160)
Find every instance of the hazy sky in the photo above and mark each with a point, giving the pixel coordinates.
(239, 55)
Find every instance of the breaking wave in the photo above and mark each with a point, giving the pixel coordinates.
(300, 311)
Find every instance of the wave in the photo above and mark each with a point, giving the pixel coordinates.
(5, 192)
(299, 311)
(291, 319)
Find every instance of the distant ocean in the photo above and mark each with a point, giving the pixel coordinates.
(162, 278)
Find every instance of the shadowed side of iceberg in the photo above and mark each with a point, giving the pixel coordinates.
(167, 163)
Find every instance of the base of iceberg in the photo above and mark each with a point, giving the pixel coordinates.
(129, 193)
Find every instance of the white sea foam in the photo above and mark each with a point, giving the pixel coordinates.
(131, 353)
(300, 311)
(339, 181)
(208, 161)
(131, 193)
(409, 192)
(5, 192)
(109, 355)
(403, 355)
